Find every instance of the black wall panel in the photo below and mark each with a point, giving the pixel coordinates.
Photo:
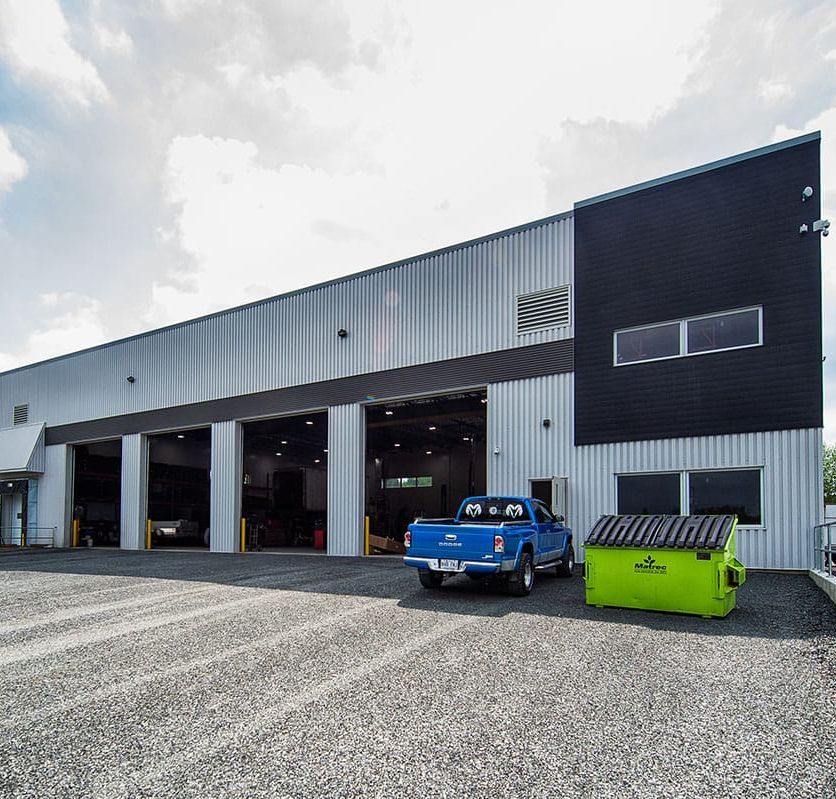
(722, 239)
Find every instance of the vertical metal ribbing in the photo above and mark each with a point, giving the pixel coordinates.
(134, 491)
(55, 493)
(346, 478)
(225, 487)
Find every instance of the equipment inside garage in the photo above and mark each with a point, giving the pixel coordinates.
(285, 493)
(97, 489)
(178, 487)
(423, 456)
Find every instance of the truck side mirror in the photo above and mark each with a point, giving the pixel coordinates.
(559, 518)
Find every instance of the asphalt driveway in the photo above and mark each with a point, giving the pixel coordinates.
(167, 674)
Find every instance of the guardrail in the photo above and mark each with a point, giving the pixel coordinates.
(27, 536)
(824, 544)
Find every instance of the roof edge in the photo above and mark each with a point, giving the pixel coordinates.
(698, 170)
(305, 289)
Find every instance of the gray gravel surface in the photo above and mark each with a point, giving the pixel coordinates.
(168, 674)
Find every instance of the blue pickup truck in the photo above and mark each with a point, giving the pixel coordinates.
(503, 537)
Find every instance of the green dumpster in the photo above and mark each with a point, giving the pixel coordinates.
(681, 564)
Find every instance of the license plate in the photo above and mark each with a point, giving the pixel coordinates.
(448, 565)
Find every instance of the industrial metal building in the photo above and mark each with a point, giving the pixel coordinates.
(656, 349)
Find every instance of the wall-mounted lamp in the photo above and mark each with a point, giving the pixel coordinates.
(131, 379)
(806, 193)
(342, 332)
(547, 423)
(496, 450)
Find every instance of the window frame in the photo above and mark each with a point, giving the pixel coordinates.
(683, 336)
(685, 494)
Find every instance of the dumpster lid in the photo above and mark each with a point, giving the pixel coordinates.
(673, 532)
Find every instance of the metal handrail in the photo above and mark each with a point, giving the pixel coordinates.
(826, 549)
(28, 536)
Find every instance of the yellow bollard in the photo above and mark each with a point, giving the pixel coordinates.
(243, 535)
(76, 529)
(148, 534)
(366, 540)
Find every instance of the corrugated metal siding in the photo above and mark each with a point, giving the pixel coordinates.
(225, 487)
(55, 493)
(429, 309)
(791, 461)
(134, 491)
(346, 479)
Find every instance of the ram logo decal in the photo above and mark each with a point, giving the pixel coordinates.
(473, 509)
(514, 511)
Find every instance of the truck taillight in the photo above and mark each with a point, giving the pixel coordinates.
(498, 543)
(407, 539)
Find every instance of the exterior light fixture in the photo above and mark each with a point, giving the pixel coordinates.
(131, 379)
(342, 332)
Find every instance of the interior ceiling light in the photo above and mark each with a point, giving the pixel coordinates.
(465, 438)
(429, 452)
(484, 400)
(316, 460)
(278, 453)
(325, 450)
(432, 427)
(389, 413)
(308, 421)
(180, 435)
(397, 445)
(284, 442)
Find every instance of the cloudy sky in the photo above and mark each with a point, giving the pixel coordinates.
(167, 158)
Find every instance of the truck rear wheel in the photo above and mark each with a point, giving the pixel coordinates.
(430, 579)
(567, 565)
(522, 578)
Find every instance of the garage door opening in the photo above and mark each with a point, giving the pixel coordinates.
(423, 456)
(97, 493)
(284, 499)
(178, 487)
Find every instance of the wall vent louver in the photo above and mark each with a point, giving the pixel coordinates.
(20, 414)
(543, 310)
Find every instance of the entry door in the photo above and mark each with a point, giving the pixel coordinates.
(10, 517)
(554, 492)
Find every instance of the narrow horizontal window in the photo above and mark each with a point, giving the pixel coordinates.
(647, 343)
(407, 482)
(736, 491)
(644, 494)
(724, 331)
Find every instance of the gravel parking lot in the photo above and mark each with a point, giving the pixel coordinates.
(167, 674)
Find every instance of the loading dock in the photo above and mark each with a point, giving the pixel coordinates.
(97, 493)
(423, 456)
(178, 487)
(284, 498)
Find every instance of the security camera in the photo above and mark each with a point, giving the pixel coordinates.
(806, 193)
(496, 450)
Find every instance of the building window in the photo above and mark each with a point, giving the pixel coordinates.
(644, 494)
(697, 335)
(725, 331)
(735, 491)
(408, 482)
(709, 492)
(647, 343)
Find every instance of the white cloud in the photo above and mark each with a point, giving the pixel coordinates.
(35, 41)
(115, 41)
(13, 167)
(73, 324)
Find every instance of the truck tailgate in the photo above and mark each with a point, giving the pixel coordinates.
(459, 541)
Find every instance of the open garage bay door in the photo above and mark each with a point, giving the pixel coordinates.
(284, 499)
(97, 489)
(423, 456)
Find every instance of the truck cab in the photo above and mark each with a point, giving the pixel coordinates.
(506, 538)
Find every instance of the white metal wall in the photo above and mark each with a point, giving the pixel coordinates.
(428, 309)
(134, 491)
(225, 487)
(791, 462)
(346, 476)
(55, 493)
